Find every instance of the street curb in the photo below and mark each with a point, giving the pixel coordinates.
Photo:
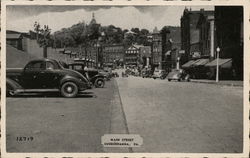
(221, 84)
(118, 121)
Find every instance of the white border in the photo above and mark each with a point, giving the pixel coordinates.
(138, 2)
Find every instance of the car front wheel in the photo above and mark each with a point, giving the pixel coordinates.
(69, 90)
(99, 83)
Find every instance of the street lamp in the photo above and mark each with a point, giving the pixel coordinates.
(217, 64)
(178, 63)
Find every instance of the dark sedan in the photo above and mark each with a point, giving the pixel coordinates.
(45, 75)
(93, 75)
(178, 75)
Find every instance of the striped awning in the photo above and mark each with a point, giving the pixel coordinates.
(223, 63)
(201, 62)
(189, 64)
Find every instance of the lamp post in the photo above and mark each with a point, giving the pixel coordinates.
(217, 64)
(178, 63)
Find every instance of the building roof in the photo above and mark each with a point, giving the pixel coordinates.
(93, 21)
(13, 36)
(130, 32)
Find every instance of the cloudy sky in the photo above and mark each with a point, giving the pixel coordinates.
(22, 18)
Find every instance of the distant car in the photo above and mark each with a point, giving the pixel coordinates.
(124, 74)
(106, 74)
(115, 74)
(178, 75)
(44, 76)
(146, 73)
(162, 74)
(96, 78)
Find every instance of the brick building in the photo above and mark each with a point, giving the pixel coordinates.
(113, 54)
(195, 33)
(203, 31)
(229, 33)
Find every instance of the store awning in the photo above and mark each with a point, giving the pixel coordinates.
(201, 62)
(223, 63)
(189, 63)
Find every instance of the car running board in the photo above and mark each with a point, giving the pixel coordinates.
(34, 91)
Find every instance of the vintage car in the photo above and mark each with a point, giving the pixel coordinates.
(162, 74)
(93, 75)
(45, 75)
(146, 73)
(107, 75)
(179, 75)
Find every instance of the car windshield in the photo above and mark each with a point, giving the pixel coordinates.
(60, 64)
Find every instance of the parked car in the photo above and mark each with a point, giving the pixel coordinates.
(106, 74)
(45, 75)
(179, 75)
(124, 74)
(146, 73)
(93, 75)
(162, 74)
(115, 74)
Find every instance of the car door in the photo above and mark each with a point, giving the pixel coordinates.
(29, 77)
(49, 77)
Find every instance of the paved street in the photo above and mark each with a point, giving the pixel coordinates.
(62, 124)
(182, 116)
(169, 116)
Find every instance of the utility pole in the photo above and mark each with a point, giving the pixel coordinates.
(217, 64)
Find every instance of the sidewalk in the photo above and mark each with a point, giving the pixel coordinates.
(222, 82)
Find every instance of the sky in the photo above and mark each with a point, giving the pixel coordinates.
(22, 18)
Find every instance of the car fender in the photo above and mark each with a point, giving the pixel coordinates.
(12, 84)
(97, 76)
(68, 78)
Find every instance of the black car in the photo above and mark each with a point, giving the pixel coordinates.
(93, 75)
(45, 75)
(146, 73)
(178, 75)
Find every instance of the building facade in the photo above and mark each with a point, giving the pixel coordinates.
(113, 55)
(15, 40)
(195, 34)
(156, 48)
(206, 32)
(132, 55)
(229, 33)
(145, 56)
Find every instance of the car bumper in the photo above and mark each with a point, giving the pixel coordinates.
(174, 78)
(83, 86)
(156, 76)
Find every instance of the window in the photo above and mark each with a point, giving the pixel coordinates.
(36, 65)
(49, 65)
(78, 67)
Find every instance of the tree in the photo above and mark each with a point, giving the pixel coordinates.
(43, 37)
